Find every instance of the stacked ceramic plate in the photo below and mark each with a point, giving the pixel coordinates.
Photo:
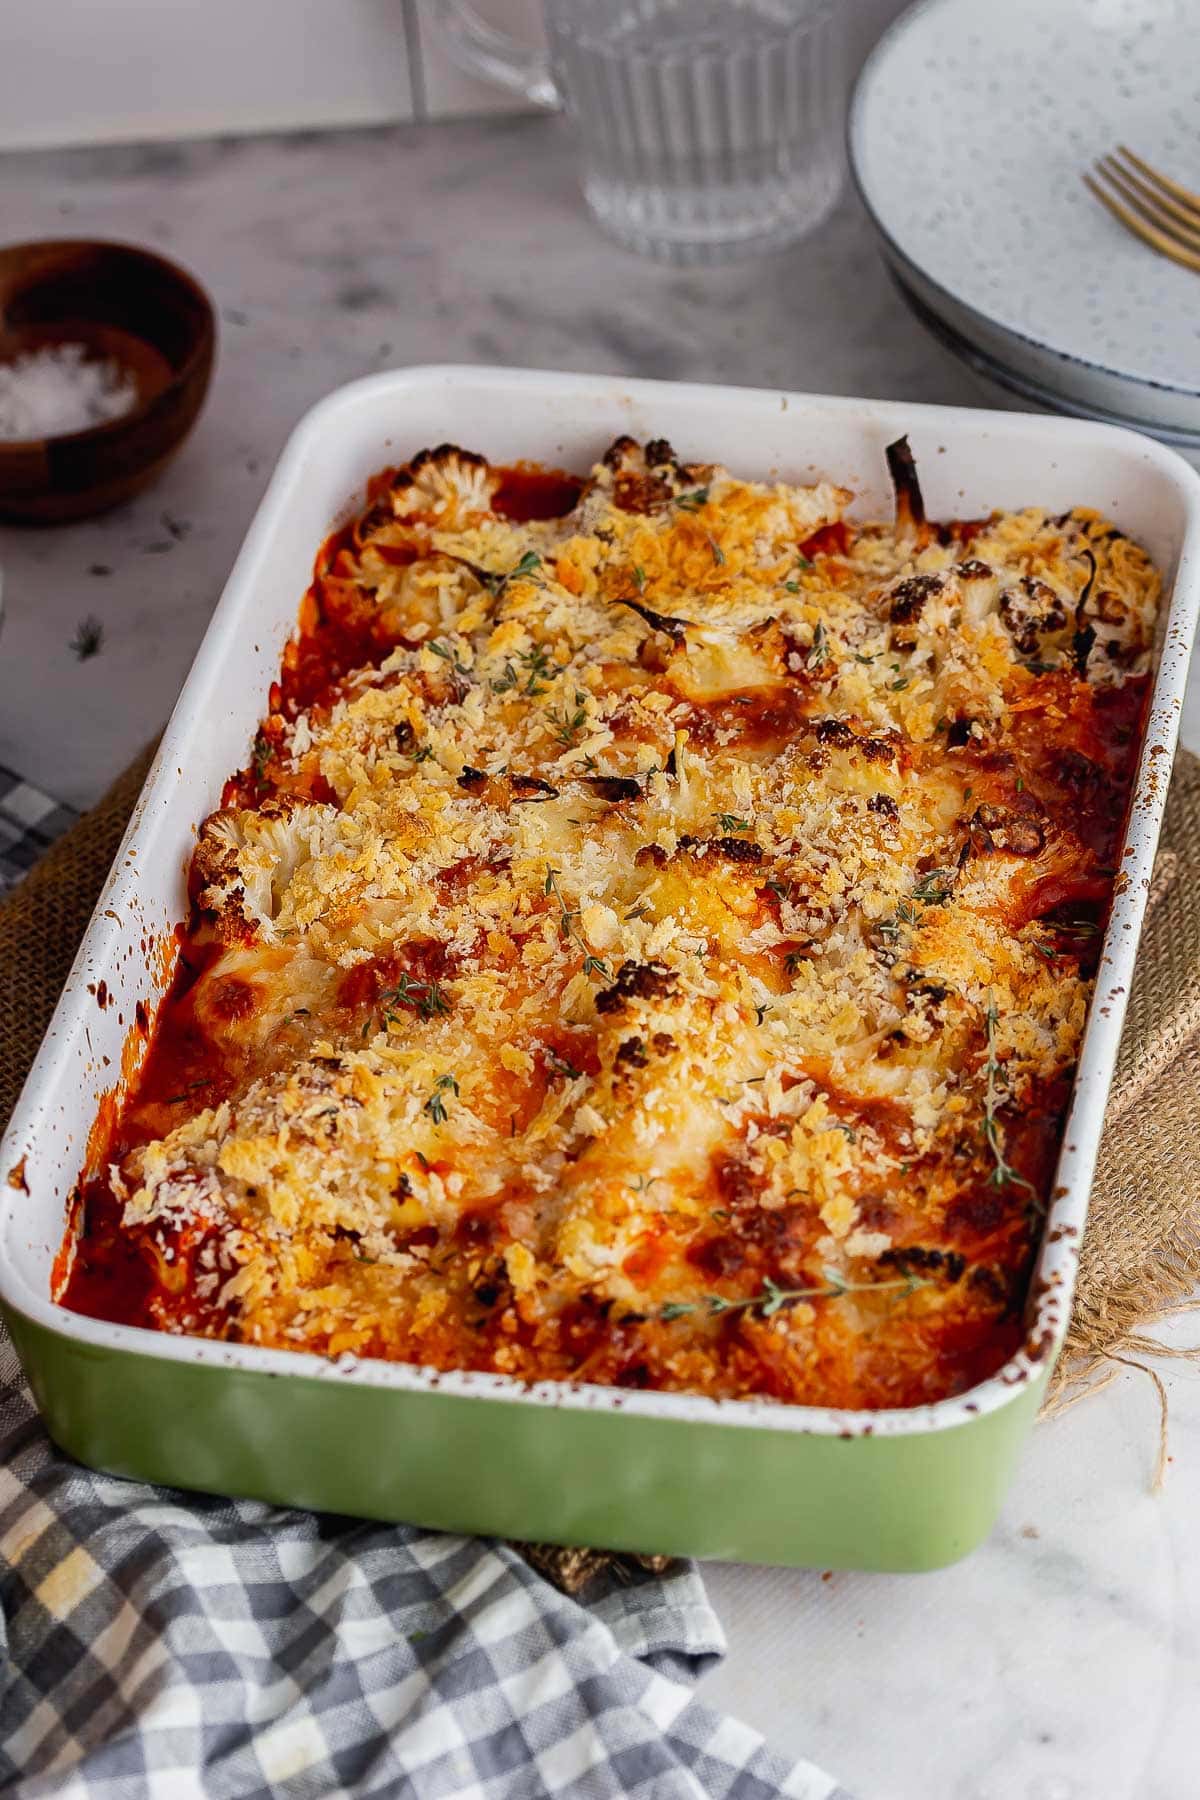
(971, 126)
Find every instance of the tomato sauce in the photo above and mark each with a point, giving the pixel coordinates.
(528, 492)
(110, 1278)
(829, 540)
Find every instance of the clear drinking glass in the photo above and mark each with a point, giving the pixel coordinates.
(708, 129)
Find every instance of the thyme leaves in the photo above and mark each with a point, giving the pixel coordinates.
(934, 888)
(528, 563)
(450, 655)
(261, 755)
(536, 666)
(426, 998)
(435, 1106)
(568, 926)
(495, 583)
(566, 914)
(570, 722)
(996, 1078)
(771, 1299)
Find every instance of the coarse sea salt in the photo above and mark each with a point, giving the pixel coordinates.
(60, 388)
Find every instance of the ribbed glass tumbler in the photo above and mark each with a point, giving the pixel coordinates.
(708, 129)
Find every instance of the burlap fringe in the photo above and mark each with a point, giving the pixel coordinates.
(1140, 1262)
(572, 1570)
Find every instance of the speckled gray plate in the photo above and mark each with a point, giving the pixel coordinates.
(971, 124)
(1000, 385)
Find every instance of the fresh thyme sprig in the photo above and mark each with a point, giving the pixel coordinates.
(1003, 1175)
(818, 654)
(528, 563)
(771, 1298)
(567, 915)
(889, 929)
(802, 566)
(435, 1106)
(427, 998)
(449, 655)
(934, 887)
(732, 822)
(496, 584)
(536, 664)
(261, 755)
(693, 501)
(569, 724)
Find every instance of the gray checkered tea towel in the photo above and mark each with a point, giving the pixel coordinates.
(29, 823)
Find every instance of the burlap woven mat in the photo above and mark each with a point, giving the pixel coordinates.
(1141, 1255)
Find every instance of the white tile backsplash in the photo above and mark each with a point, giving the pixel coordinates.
(111, 71)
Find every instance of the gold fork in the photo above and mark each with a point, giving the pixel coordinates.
(1156, 209)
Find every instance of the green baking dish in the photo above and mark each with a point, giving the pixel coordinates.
(732, 1486)
(909, 1489)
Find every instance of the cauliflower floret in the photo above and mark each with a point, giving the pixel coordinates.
(447, 487)
(245, 861)
(1037, 617)
(651, 481)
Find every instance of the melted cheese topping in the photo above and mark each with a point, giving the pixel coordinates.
(652, 943)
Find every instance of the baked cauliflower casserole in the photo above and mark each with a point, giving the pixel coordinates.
(650, 944)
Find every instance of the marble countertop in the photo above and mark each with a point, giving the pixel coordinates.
(1060, 1662)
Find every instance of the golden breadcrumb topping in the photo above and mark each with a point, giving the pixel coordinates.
(651, 943)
